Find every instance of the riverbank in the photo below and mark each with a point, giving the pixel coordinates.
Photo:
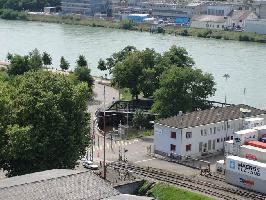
(194, 32)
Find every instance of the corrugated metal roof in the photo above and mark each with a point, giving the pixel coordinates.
(214, 115)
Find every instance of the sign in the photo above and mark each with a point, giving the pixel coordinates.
(158, 131)
(246, 167)
(246, 182)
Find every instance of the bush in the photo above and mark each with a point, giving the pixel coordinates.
(11, 14)
(128, 25)
(184, 33)
(244, 38)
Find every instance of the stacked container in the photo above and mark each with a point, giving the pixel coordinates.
(246, 173)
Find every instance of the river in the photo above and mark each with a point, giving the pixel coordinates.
(245, 62)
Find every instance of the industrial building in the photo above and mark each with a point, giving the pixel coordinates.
(84, 7)
(202, 132)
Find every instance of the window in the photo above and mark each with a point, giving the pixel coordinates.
(217, 26)
(205, 131)
(210, 130)
(173, 147)
(188, 134)
(218, 140)
(214, 130)
(232, 137)
(173, 135)
(209, 144)
(213, 145)
(188, 147)
(201, 132)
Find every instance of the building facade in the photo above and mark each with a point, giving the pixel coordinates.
(201, 132)
(255, 26)
(208, 22)
(84, 7)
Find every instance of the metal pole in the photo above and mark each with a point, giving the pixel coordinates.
(93, 138)
(104, 136)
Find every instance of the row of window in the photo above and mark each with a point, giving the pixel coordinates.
(173, 147)
(214, 130)
(217, 26)
(188, 135)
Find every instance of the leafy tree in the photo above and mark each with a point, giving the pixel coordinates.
(84, 74)
(48, 124)
(64, 64)
(115, 58)
(46, 59)
(18, 65)
(35, 60)
(126, 74)
(9, 56)
(182, 89)
(177, 56)
(82, 62)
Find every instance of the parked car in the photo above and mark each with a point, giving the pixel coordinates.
(89, 165)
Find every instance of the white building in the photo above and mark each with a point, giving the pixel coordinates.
(208, 22)
(255, 26)
(237, 18)
(200, 132)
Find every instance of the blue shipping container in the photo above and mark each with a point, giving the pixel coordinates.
(182, 20)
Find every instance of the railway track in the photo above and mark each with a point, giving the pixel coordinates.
(212, 189)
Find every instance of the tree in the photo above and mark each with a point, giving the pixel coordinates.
(140, 120)
(126, 74)
(21, 64)
(18, 65)
(84, 74)
(182, 89)
(82, 62)
(46, 59)
(178, 57)
(48, 124)
(115, 58)
(64, 65)
(35, 60)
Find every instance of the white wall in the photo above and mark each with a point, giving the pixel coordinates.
(163, 140)
(256, 26)
(207, 25)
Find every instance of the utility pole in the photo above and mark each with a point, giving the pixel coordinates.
(104, 136)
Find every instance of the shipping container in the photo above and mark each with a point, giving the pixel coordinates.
(253, 153)
(245, 166)
(246, 135)
(258, 144)
(220, 166)
(250, 123)
(245, 181)
(261, 131)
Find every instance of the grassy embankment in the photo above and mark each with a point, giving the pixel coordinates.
(162, 191)
(195, 32)
(79, 20)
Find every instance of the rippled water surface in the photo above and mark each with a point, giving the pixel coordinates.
(245, 62)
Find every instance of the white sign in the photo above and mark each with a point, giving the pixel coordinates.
(247, 167)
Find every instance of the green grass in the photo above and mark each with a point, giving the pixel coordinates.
(133, 133)
(126, 95)
(163, 191)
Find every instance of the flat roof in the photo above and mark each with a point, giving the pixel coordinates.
(243, 132)
(254, 148)
(253, 119)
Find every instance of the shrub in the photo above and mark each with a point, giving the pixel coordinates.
(244, 38)
(184, 33)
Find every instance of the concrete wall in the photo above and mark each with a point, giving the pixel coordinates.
(256, 26)
(208, 25)
(129, 188)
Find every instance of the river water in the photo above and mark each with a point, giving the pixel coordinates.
(245, 62)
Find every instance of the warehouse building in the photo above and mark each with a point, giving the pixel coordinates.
(84, 7)
(203, 132)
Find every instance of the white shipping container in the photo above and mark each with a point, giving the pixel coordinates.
(229, 147)
(253, 153)
(245, 166)
(261, 131)
(246, 135)
(251, 123)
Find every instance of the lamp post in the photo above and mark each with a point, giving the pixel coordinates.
(104, 135)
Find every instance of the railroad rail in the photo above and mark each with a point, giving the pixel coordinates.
(212, 189)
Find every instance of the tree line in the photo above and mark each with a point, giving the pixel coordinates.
(169, 78)
(31, 5)
(44, 123)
